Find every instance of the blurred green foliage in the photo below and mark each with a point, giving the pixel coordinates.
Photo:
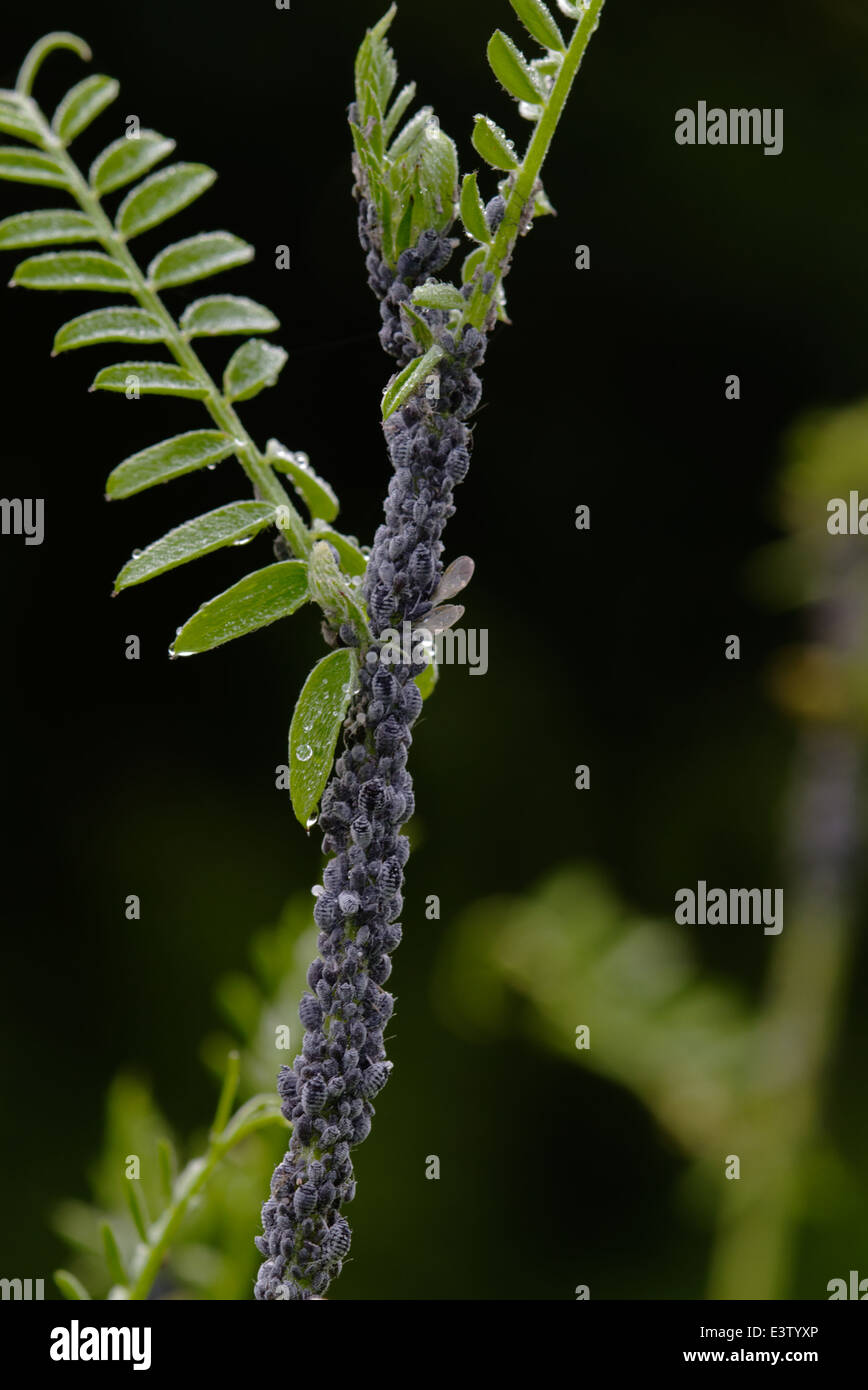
(214, 1257)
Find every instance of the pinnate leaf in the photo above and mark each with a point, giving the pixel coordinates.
(224, 526)
(255, 601)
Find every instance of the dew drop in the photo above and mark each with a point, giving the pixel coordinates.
(245, 540)
(136, 554)
(311, 821)
(304, 752)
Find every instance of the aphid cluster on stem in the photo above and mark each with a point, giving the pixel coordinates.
(327, 1093)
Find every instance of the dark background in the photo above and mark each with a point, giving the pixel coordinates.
(157, 777)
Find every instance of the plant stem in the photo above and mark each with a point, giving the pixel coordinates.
(498, 256)
(221, 411)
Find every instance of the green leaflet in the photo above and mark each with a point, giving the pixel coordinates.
(316, 723)
(170, 459)
(31, 166)
(419, 327)
(160, 196)
(138, 1210)
(111, 1250)
(473, 210)
(149, 379)
(255, 601)
(337, 594)
(353, 561)
(436, 294)
(490, 142)
(116, 325)
(226, 313)
(409, 380)
(399, 106)
(197, 257)
(127, 159)
(511, 69)
(471, 263)
(410, 136)
(251, 369)
(318, 497)
(436, 191)
(82, 105)
(539, 23)
(71, 270)
(427, 679)
(542, 206)
(224, 526)
(375, 69)
(44, 228)
(14, 120)
(71, 1287)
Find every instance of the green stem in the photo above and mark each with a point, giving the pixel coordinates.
(500, 251)
(251, 1117)
(221, 411)
(40, 51)
(754, 1240)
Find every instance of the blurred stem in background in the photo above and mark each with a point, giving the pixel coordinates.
(782, 1100)
(823, 685)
